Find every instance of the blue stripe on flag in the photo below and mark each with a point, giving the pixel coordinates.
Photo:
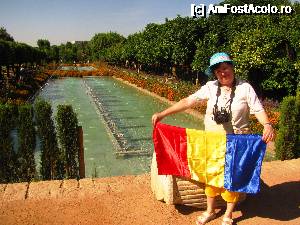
(243, 159)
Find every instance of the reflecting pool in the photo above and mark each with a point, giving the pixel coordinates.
(113, 116)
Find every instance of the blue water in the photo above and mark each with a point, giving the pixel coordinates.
(80, 68)
(128, 111)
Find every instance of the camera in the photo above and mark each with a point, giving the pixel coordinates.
(221, 116)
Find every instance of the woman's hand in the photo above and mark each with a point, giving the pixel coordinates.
(268, 133)
(156, 118)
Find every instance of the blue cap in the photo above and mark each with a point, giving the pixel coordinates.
(216, 59)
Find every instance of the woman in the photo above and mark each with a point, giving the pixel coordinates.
(229, 103)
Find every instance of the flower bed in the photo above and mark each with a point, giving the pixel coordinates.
(73, 73)
(256, 127)
(101, 70)
(19, 92)
(171, 90)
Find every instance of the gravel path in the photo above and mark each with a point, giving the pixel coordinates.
(129, 200)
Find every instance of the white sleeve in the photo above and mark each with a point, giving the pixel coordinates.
(201, 94)
(253, 101)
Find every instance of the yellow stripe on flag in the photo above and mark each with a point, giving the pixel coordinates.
(206, 156)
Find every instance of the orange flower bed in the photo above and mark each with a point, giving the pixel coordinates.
(202, 107)
(73, 73)
(256, 127)
(172, 93)
(22, 92)
(16, 101)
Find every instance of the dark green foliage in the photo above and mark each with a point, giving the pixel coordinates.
(101, 42)
(264, 47)
(55, 163)
(67, 129)
(205, 48)
(16, 53)
(4, 35)
(51, 156)
(298, 121)
(27, 142)
(286, 141)
(43, 44)
(8, 171)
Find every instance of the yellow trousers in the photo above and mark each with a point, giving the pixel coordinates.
(228, 196)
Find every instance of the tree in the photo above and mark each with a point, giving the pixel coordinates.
(264, 47)
(181, 35)
(131, 47)
(43, 44)
(265, 56)
(82, 51)
(4, 35)
(67, 129)
(51, 156)
(205, 48)
(102, 41)
(114, 54)
(8, 171)
(27, 142)
(54, 53)
(149, 48)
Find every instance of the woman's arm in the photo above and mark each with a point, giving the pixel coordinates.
(268, 132)
(180, 106)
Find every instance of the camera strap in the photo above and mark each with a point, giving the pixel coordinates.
(215, 109)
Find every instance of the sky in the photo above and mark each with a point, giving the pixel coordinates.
(60, 21)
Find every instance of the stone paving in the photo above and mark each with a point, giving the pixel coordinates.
(277, 203)
(273, 173)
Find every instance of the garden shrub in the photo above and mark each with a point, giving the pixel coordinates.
(27, 142)
(52, 166)
(287, 137)
(8, 171)
(67, 129)
(298, 121)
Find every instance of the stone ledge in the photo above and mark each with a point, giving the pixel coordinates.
(15, 191)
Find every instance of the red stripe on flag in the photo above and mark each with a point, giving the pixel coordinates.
(170, 144)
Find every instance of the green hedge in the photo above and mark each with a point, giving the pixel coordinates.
(56, 163)
(67, 129)
(52, 166)
(27, 143)
(8, 171)
(298, 119)
(287, 139)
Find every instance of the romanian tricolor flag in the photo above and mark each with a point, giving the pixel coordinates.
(232, 161)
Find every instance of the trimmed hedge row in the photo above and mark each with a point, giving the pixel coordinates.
(17, 154)
(27, 143)
(67, 129)
(51, 157)
(8, 157)
(288, 139)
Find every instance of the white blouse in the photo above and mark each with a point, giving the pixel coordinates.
(245, 101)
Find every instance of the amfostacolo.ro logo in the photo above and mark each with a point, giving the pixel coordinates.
(201, 10)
